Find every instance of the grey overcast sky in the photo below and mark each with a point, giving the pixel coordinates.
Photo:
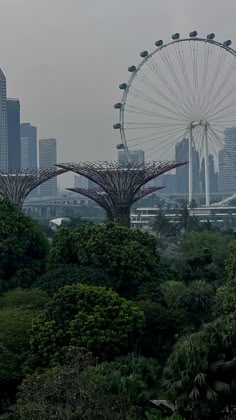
(64, 59)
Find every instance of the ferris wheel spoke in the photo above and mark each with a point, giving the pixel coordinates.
(165, 149)
(208, 53)
(132, 108)
(161, 136)
(146, 81)
(226, 78)
(181, 59)
(152, 101)
(218, 67)
(153, 66)
(224, 109)
(167, 60)
(193, 53)
(220, 102)
(175, 137)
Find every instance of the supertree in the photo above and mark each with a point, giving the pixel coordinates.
(15, 186)
(121, 183)
(101, 197)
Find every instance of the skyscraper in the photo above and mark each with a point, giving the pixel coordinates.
(135, 156)
(28, 146)
(221, 171)
(3, 122)
(213, 176)
(228, 162)
(47, 159)
(82, 182)
(13, 128)
(182, 173)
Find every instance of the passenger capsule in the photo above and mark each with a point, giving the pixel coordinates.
(118, 105)
(193, 34)
(120, 146)
(159, 43)
(227, 43)
(211, 36)
(123, 86)
(131, 69)
(144, 54)
(117, 126)
(175, 36)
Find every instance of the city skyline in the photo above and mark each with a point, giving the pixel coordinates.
(94, 67)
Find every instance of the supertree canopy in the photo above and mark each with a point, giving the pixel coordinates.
(15, 186)
(121, 184)
(102, 198)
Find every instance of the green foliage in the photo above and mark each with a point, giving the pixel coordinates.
(117, 390)
(206, 250)
(16, 315)
(197, 301)
(22, 246)
(162, 225)
(161, 326)
(128, 257)
(87, 316)
(65, 275)
(200, 373)
(230, 263)
(24, 298)
(197, 255)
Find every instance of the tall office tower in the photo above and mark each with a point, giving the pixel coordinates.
(135, 156)
(13, 128)
(229, 159)
(82, 182)
(47, 159)
(182, 173)
(196, 171)
(221, 172)
(3, 122)
(213, 176)
(168, 181)
(28, 135)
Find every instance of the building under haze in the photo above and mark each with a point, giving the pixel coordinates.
(227, 163)
(28, 135)
(47, 159)
(182, 173)
(3, 122)
(13, 128)
(213, 175)
(83, 182)
(135, 156)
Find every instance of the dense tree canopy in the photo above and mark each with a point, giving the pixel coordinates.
(87, 316)
(23, 245)
(128, 257)
(67, 328)
(200, 373)
(67, 274)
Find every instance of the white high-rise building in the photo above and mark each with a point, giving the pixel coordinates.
(47, 159)
(3, 122)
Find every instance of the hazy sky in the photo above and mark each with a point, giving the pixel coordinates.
(64, 59)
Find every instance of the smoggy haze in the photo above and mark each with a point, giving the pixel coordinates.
(64, 59)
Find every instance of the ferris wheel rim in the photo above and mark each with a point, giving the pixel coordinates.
(144, 61)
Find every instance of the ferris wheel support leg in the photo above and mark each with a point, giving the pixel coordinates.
(190, 178)
(207, 185)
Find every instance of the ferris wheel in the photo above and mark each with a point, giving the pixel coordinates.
(183, 89)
